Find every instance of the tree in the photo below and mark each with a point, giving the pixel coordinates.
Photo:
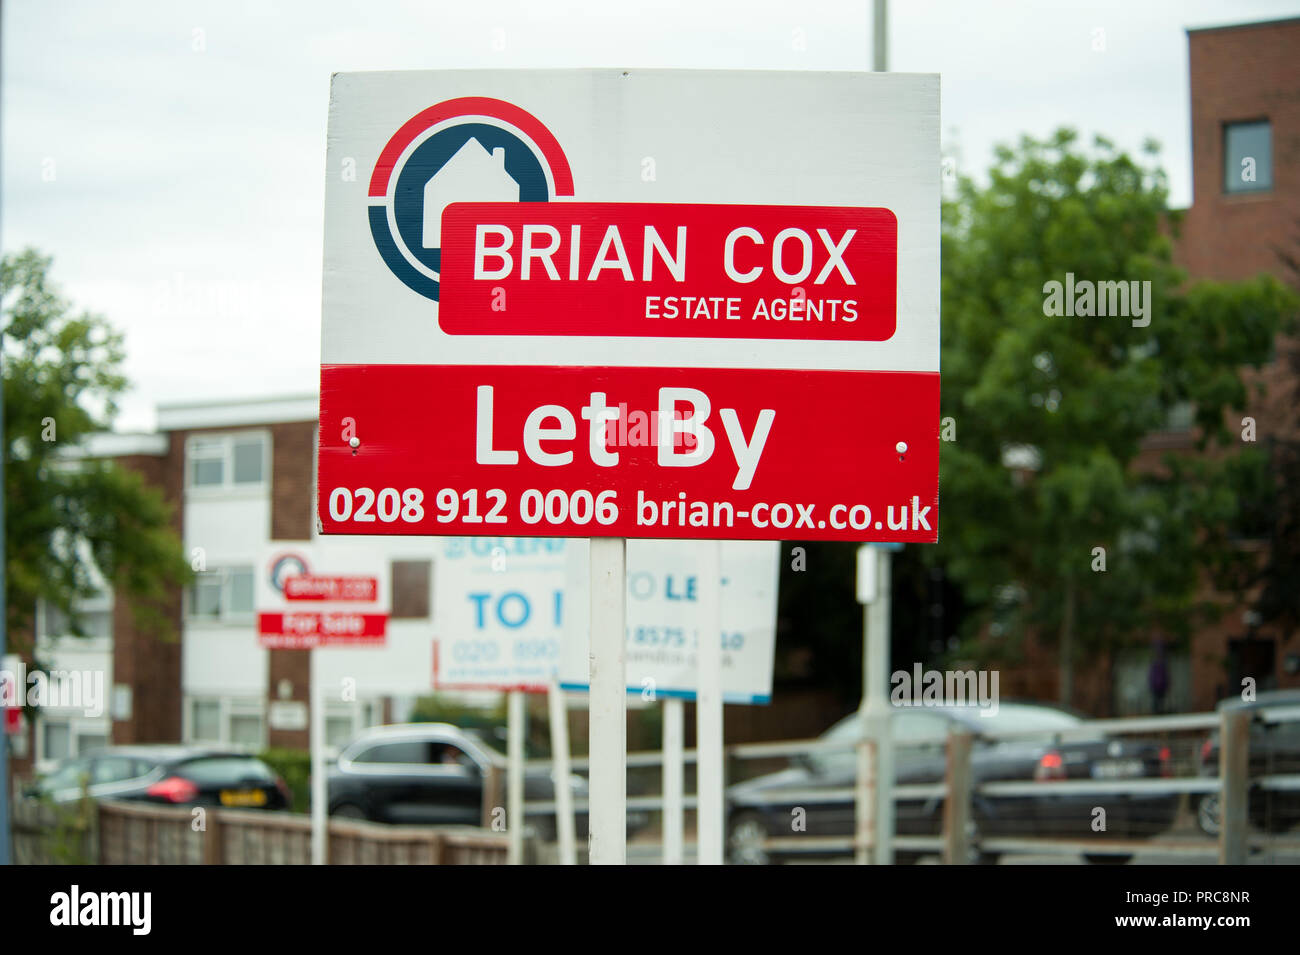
(1278, 504)
(69, 518)
(1051, 522)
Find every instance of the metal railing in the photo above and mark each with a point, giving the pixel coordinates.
(960, 790)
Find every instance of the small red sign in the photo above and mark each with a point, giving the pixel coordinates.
(656, 270)
(314, 628)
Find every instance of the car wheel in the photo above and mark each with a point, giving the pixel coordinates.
(349, 810)
(745, 838)
(1097, 858)
(1208, 814)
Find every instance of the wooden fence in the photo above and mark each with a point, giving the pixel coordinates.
(121, 833)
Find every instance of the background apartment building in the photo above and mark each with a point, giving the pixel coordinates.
(240, 476)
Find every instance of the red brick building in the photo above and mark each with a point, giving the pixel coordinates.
(1245, 106)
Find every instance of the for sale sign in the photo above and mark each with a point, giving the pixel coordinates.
(650, 304)
(320, 594)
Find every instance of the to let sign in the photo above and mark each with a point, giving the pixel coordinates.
(660, 304)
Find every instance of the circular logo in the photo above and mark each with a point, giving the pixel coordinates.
(286, 565)
(472, 149)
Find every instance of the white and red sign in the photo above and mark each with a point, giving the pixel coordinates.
(316, 595)
(661, 304)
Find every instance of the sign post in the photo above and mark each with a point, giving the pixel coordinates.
(312, 595)
(873, 592)
(515, 776)
(608, 816)
(559, 719)
(710, 768)
(674, 779)
(319, 787)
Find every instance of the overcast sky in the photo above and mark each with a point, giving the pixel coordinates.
(170, 155)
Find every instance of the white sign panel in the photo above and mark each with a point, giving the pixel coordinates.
(662, 631)
(499, 605)
(640, 301)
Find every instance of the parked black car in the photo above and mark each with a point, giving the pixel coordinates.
(433, 774)
(1274, 750)
(171, 774)
(757, 808)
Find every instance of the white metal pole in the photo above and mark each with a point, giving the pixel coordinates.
(876, 713)
(880, 37)
(319, 791)
(866, 808)
(674, 778)
(607, 841)
(708, 707)
(559, 719)
(515, 777)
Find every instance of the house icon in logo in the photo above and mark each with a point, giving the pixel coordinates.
(471, 175)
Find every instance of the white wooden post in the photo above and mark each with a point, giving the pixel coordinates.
(674, 779)
(873, 591)
(319, 790)
(559, 719)
(708, 707)
(515, 777)
(608, 681)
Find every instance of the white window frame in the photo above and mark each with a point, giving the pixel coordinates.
(227, 708)
(98, 604)
(78, 726)
(363, 714)
(228, 487)
(226, 618)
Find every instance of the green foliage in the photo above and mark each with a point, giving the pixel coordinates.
(294, 767)
(442, 709)
(66, 516)
(819, 621)
(1084, 392)
(1277, 519)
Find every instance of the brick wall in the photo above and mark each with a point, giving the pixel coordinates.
(148, 660)
(1239, 74)
(292, 488)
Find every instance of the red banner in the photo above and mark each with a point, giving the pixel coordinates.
(629, 452)
(313, 628)
(669, 270)
(314, 587)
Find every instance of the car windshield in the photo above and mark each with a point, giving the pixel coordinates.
(921, 724)
(67, 775)
(488, 739)
(219, 770)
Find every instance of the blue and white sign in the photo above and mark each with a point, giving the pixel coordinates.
(498, 611)
(662, 631)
